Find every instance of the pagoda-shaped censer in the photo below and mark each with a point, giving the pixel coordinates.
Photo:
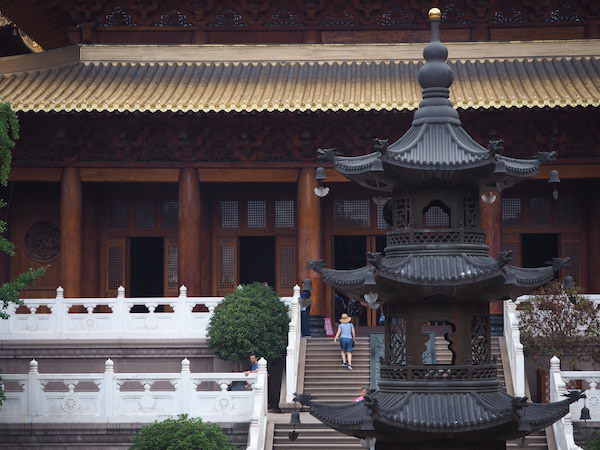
(436, 272)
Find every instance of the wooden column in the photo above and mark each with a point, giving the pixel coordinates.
(71, 237)
(309, 235)
(491, 222)
(189, 231)
(91, 286)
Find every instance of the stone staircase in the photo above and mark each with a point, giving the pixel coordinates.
(330, 382)
(327, 379)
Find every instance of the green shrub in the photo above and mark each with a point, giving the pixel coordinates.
(250, 320)
(594, 443)
(182, 433)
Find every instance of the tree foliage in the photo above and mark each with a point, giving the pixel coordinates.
(250, 320)
(182, 433)
(594, 443)
(551, 324)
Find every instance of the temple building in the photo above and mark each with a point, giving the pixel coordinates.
(172, 143)
(435, 273)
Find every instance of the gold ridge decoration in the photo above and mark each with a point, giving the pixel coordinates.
(5, 21)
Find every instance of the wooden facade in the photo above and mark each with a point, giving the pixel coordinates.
(154, 200)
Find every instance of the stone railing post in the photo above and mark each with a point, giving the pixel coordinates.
(258, 420)
(121, 310)
(292, 349)
(182, 311)
(185, 387)
(108, 387)
(34, 388)
(60, 311)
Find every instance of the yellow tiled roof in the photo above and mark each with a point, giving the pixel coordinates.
(249, 78)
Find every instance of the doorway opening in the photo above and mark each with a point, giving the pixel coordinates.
(257, 259)
(349, 253)
(146, 267)
(538, 248)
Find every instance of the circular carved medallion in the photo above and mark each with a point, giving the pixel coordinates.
(89, 324)
(42, 242)
(224, 403)
(70, 404)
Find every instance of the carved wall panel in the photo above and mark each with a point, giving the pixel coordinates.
(346, 13)
(87, 139)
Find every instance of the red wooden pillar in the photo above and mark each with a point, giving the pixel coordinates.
(189, 210)
(71, 237)
(309, 235)
(491, 222)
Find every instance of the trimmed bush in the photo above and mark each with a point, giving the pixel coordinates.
(250, 320)
(182, 433)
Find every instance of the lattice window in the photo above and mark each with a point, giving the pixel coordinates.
(539, 211)
(571, 250)
(396, 341)
(480, 345)
(230, 215)
(382, 211)
(511, 211)
(436, 215)
(145, 214)
(568, 211)
(285, 214)
(402, 212)
(257, 214)
(169, 214)
(470, 212)
(115, 268)
(351, 213)
(172, 267)
(226, 267)
(118, 215)
(287, 267)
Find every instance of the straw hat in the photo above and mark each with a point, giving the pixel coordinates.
(345, 318)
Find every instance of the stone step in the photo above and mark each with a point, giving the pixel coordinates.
(312, 436)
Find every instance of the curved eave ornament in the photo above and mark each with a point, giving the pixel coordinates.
(414, 279)
(467, 417)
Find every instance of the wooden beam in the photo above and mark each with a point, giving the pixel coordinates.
(133, 175)
(249, 175)
(36, 174)
(568, 170)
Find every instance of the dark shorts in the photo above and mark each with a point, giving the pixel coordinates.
(346, 344)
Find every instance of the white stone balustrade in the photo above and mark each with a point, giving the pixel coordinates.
(293, 347)
(119, 323)
(559, 380)
(111, 397)
(514, 348)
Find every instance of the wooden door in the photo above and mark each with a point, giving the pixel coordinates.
(171, 267)
(115, 264)
(227, 275)
(286, 266)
